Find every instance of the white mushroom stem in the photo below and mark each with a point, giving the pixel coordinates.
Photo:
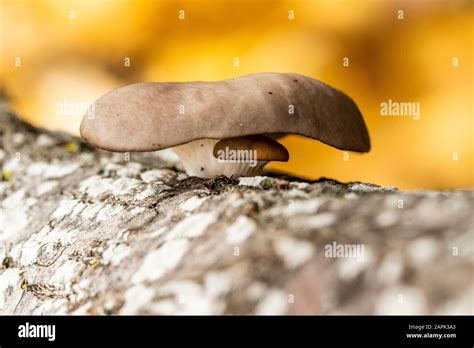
(198, 160)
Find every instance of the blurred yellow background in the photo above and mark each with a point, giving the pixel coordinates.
(59, 56)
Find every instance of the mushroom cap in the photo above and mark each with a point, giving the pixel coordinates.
(266, 148)
(154, 116)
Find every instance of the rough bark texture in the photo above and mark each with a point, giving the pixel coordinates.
(87, 232)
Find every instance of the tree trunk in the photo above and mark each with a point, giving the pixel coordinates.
(84, 231)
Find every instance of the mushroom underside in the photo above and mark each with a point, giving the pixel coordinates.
(245, 155)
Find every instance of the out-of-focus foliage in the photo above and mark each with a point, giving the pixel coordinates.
(58, 56)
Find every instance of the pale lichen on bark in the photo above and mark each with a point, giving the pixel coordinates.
(87, 232)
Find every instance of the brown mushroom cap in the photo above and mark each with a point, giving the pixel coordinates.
(266, 149)
(154, 116)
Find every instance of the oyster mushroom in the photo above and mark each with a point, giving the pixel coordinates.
(209, 123)
(245, 155)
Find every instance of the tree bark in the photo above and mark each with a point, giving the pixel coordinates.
(84, 231)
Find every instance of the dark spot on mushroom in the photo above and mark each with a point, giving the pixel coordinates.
(270, 92)
(295, 80)
(202, 145)
(202, 169)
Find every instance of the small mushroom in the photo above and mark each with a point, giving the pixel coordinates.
(224, 127)
(245, 155)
